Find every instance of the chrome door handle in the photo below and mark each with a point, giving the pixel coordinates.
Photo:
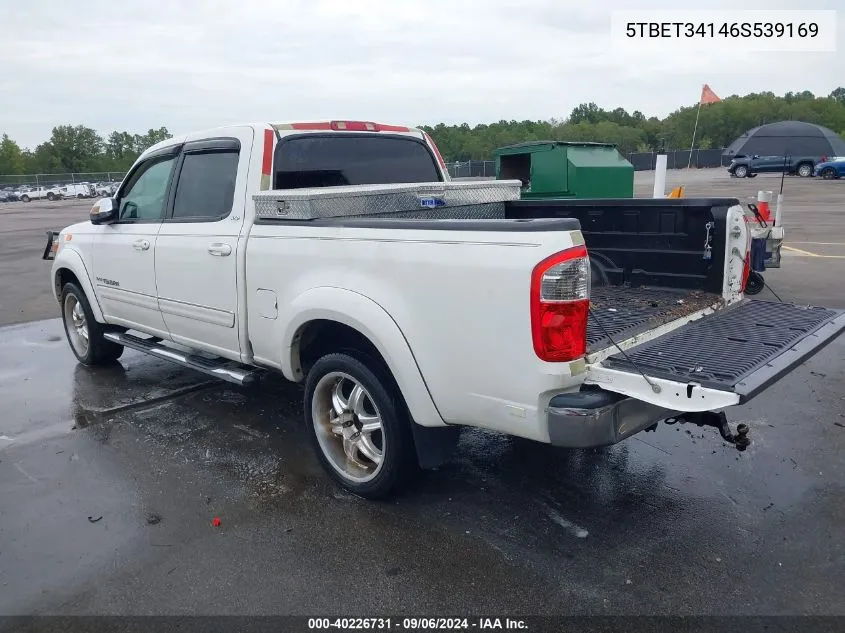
(141, 245)
(220, 250)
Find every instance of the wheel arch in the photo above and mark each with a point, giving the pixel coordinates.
(346, 318)
(69, 267)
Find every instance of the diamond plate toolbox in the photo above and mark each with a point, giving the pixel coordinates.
(362, 200)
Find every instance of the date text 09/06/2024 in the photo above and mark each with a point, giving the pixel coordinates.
(416, 624)
(725, 29)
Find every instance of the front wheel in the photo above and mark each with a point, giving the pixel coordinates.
(83, 332)
(51, 196)
(359, 425)
(805, 170)
(828, 173)
(741, 171)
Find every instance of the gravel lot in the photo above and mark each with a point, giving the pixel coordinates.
(672, 522)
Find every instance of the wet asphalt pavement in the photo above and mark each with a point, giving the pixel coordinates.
(675, 521)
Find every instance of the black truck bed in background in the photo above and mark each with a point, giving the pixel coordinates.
(619, 312)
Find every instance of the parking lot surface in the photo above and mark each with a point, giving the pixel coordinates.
(110, 479)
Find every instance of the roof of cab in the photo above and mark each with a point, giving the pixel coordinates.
(329, 125)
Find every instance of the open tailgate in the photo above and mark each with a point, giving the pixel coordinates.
(721, 359)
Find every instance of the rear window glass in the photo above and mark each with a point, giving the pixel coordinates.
(345, 159)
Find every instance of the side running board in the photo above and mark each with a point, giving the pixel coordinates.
(218, 367)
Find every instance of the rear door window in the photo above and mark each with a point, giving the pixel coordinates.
(206, 187)
(327, 160)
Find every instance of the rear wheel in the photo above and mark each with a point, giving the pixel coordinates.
(741, 171)
(828, 173)
(83, 332)
(805, 170)
(359, 425)
(51, 196)
(24, 198)
(80, 196)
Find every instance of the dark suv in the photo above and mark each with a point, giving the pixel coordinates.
(750, 166)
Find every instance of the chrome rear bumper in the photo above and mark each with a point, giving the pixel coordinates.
(588, 419)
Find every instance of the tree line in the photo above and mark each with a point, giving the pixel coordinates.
(718, 126)
(77, 149)
(80, 149)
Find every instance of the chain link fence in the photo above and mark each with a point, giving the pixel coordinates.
(642, 161)
(50, 180)
(680, 158)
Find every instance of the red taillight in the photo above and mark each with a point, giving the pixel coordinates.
(560, 304)
(433, 146)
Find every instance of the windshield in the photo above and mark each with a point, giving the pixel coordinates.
(325, 160)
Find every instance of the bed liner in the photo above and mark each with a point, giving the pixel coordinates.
(623, 312)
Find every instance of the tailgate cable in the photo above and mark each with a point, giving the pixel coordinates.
(654, 386)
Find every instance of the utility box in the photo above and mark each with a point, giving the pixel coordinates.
(566, 169)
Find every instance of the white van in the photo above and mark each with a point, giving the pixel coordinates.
(77, 191)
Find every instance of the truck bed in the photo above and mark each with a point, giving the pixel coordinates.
(620, 312)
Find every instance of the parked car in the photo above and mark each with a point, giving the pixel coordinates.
(106, 189)
(9, 194)
(80, 190)
(831, 169)
(750, 166)
(40, 193)
(339, 255)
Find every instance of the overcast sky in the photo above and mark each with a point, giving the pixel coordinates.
(191, 64)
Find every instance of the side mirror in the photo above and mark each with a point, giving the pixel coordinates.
(104, 211)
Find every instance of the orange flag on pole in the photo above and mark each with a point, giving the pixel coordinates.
(708, 96)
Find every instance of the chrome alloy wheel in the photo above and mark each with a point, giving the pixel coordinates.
(76, 324)
(348, 426)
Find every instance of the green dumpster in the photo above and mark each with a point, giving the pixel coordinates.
(566, 169)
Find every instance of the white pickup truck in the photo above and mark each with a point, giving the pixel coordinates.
(40, 193)
(340, 255)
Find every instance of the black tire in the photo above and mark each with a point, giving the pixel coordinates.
(51, 196)
(399, 460)
(740, 171)
(755, 283)
(828, 173)
(24, 198)
(80, 196)
(804, 170)
(98, 351)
